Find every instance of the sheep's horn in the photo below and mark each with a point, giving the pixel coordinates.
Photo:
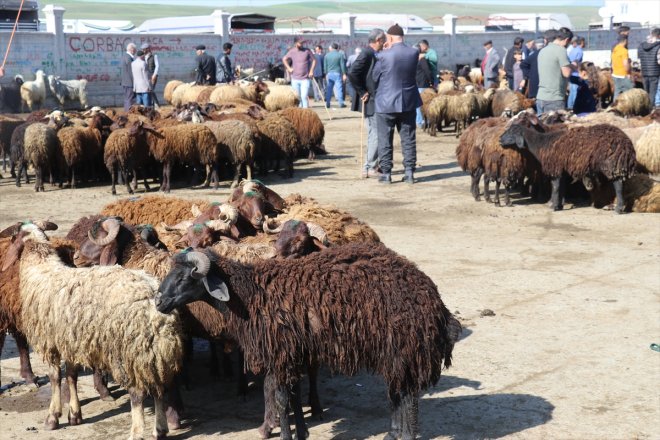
(317, 232)
(267, 228)
(202, 264)
(229, 212)
(45, 225)
(111, 226)
(196, 212)
(11, 231)
(217, 225)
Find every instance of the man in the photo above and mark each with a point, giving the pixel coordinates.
(554, 69)
(334, 67)
(359, 75)
(431, 57)
(397, 98)
(127, 75)
(224, 73)
(152, 68)
(319, 88)
(141, 80)
(205, 67)
(649, 58)
(575, 57)
(621, 66)
(490, 66)
(509, 61)
(350, 91)
(301, 69)
(528, 48)
(530, 65)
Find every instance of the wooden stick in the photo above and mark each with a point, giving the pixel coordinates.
(361, 137)
(325, 104)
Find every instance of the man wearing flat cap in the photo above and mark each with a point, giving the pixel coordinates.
(300, 62)
(490, 66)
(397, 98)
(205, 67)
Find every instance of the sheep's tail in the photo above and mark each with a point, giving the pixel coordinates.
(453, 331)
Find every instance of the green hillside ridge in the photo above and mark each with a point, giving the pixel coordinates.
(138, 13)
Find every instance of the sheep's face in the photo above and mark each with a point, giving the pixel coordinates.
(513, 136)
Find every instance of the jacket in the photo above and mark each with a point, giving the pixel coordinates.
(492, 67)
(530, 68)
(648, 58)
(141, 83)
(224, 72)
(394, 74)
(423, 76)
(509, 61)
(126, 72)
(360, 77)
(205, 67)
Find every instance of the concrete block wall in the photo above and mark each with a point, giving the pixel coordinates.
(96, 57)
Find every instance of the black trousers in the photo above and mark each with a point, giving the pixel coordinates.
(405, 123)
(651, 86)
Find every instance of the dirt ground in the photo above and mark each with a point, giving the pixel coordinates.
(575, 296)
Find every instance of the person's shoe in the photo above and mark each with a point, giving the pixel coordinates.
(342, 106)
(365, 174)
(409, 178)
(373, 173)
(385, 178)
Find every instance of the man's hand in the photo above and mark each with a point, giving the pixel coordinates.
(343, 77)
(365, 97)
(154, 78)
(310, 74)
(289, 69)
(2, 72)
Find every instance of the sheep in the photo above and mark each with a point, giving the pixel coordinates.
(280, 140)
(7, 126)
(584, 153)
(647, 149)
(227, 92)
(446, 86)
(510, 102)
(70, 90)
(309, 128)
(10, 95)
(633, 102)
(427, 96)
(642, 194)
(605, 88)
(607, 118)
(169, 89)
(179, 92)
(191, 93)
(67, 314)
(153, 209)
(280, 97)
(33, 93)
(332, 305)
(81, 146)
(41, 147)
(189, 143)
(17, 157)
(236, 145)
(255, 92)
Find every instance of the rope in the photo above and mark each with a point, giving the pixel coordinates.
(11, 38)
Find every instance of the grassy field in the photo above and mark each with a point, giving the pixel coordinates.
(432, 11)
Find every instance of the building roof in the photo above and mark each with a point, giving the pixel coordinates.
(366, 22)
(197, 24)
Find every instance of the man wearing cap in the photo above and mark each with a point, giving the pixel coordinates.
(224, 72)
(397, 99)
(205, 67)
(152, 68)
(141, 83)
(490, 66)
(127, 75)
(301, 69)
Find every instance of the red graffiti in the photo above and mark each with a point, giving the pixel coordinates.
(98, 44)
(94, 77)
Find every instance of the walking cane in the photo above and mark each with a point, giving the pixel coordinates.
(325, 104)
(361, 137)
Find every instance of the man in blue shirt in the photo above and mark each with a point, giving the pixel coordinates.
(318, 74)
(575, 57)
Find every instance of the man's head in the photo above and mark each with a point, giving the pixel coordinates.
(377, 39)
(531, 44)
(131, 48)
(139, 54)
(395, 34)
(358, 50)
(145, 48)
(622, 40)
(488, 45)
(334, 47)
(518, 42)
(423, 46)
(564, 35)
(549, 35)
(624, 30)
(318, 49)
(200, 49)
(655, 33)
(580, 42)
(226, 48)
(299, 42)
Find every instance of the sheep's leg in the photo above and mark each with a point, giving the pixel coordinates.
(55, 409)
(207, 180)
(497, 192)
(248, 170)
(618, 189)
(127, 180)
(486, 189)
(396, 421)
(73, 177)
(137, 413)
(20, 174)
(296, 404)
(167, 171)
(215, 175)
(270, 407)
(37, 179)
(101, 386)
(237, 176)
(75, 413)
(24, 356)
(474, 186)
(12, 168)
(507, 195)
(409, 416)
(242, 375)
(174, 404)
(314, 401)
(282, 405)
(113, 178)
(135, 180)
(160, 425)
(556, 198)
(146, 185)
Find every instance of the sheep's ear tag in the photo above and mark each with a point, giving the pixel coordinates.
(216, 288)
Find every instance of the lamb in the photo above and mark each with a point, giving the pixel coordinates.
(633, 102)
(280, 97)
(280, 140)
(509, 102)
(340, 319)
(41, 147)
(169, 89)
(81, 146)
(584, 153)
(236, 145)
(647, 149)
(10, 95)
(84, 326)
(33, 93)
(308, 126)
(71, 90)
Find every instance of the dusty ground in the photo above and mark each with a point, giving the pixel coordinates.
(566, 355)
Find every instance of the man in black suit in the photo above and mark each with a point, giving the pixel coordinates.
(127, 75)
(360, 78)
(205, 67)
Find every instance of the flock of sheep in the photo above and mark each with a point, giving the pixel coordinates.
(295, 284)
(209, 128)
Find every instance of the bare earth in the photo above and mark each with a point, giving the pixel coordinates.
(566, 355)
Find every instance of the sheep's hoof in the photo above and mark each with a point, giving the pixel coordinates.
(497, 203)
(558, 208)
(619, 210)
(265, 430)
(107, 398)
(509, 204)
(159, 435)
(173, 419)
(75, 419)
(52, 423)
(390, 436)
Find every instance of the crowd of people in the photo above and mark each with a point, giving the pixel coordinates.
(139, 75)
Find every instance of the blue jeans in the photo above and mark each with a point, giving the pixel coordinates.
(143, 99)
(548, 106)
(301, 87)
(657, 97)
(572, 94)
(334, 82)
(621, 85)
(419, 120)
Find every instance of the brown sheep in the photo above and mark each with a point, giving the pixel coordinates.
(153, 209)
(169, 89)
(280, 140)
(236, 145)
(309, 128)
(81, 146)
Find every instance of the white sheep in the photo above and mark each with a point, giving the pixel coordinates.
(33, 93)
(72, 90)
(98, 317)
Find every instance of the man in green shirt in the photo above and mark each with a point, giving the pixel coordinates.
(431, 57)
(554, 69)
(334, 67)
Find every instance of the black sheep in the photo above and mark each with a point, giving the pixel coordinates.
(352, 307)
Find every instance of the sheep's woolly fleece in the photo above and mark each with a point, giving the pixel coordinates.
(153, 209)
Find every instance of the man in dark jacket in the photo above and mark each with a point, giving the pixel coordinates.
(530, 65)
(509, 61)
(424, 80)
(649, 58)
(360, 78)
(224, 71)
(397, 98)
(205, 67)
(127, 75)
